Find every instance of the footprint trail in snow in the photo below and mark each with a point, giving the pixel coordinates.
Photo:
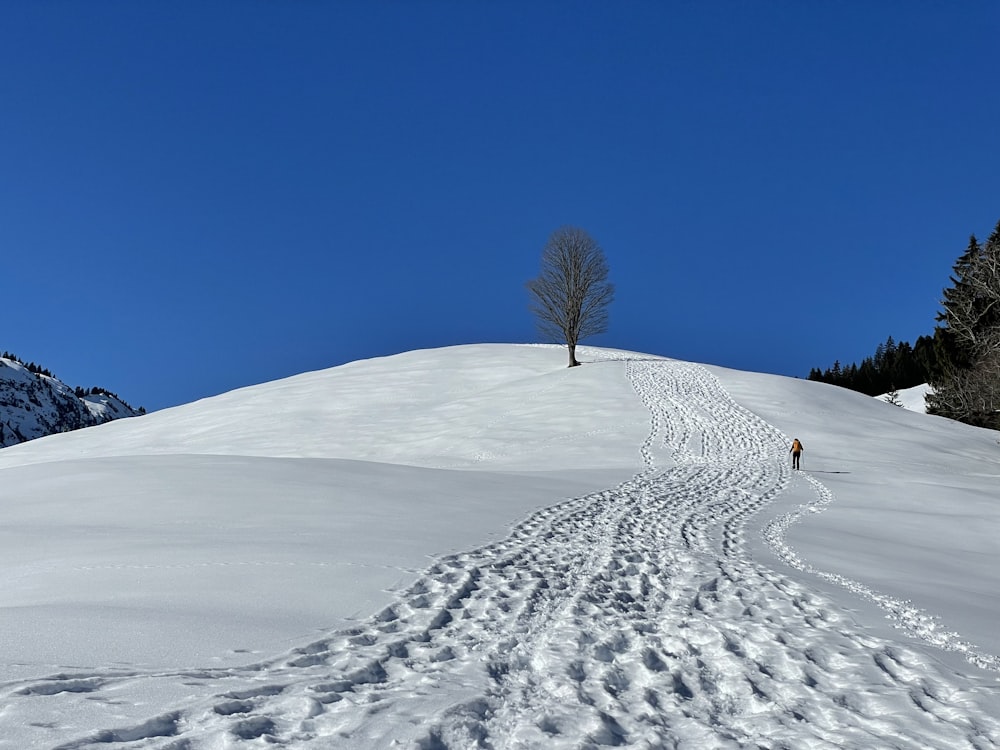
(632, 617)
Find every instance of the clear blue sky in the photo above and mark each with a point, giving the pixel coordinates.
(197, 196)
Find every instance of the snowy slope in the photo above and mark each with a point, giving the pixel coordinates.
(913, 398)
(33, 405)
(476, 546)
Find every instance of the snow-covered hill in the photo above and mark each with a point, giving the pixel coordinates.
(33, 405)
(914, 399)
(479, 547)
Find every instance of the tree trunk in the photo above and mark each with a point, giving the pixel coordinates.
(572, 355)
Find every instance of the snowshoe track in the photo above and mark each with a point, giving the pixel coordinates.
(632, 617)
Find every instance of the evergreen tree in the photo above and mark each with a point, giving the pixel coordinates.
(958, 304)
(967, 382)
(891, 366)
(892, 397)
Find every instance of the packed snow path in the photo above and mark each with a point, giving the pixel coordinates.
(632, 617)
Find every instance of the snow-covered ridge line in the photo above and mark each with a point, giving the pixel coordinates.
(35, 404)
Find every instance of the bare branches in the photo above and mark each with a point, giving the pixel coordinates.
(968, 388)
(969, 394)
(571, 295)
(973, 316)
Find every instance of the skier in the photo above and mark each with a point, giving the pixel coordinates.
(796, 451)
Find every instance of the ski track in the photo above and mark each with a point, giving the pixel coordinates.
(632, 617)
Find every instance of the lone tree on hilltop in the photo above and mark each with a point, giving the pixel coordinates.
(571, 295)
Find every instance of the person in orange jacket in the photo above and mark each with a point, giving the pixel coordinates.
(796, 451)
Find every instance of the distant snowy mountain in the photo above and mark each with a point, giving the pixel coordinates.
(34, 404)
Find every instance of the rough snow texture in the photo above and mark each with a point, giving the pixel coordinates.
(709, 597)
(33, 405)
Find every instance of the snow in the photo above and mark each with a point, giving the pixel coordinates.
(34, 405)
(479, 547)
(911, 398)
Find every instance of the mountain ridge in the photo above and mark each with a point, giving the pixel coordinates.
(34, 404)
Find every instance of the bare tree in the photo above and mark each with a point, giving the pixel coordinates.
(571, 295)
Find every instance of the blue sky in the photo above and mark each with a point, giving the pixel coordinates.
(197, 196)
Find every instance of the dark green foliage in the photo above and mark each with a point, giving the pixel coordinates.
(959, 301)
(960, 361)
(966, 382)
(78, 391)
(37, 370)
(892, 397)
(892, 367)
